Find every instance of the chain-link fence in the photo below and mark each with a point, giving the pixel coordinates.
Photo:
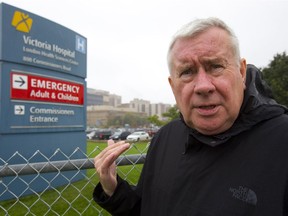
(50, 187)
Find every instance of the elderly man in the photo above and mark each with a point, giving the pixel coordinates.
(227, 154)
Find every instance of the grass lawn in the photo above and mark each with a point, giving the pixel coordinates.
(75, 198)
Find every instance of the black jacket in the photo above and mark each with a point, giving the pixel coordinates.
(243, 171)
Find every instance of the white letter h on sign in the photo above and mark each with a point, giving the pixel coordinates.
(80, 44)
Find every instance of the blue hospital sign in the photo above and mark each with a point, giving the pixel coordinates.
(42, 95)
(45, 60)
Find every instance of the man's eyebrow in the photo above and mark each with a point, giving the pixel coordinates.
(184, 66)
(213, 60)
(185, 62)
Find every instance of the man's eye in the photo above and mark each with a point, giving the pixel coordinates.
(187, 72)
(215, 67)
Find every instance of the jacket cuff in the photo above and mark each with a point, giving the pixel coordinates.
(102, 198)
(124, 200)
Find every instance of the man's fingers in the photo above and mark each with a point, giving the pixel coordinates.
(114, 148)
(110, 148)
(108, 156)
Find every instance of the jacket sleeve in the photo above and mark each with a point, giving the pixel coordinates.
(124, 201)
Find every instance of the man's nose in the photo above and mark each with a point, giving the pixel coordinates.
(203, 83)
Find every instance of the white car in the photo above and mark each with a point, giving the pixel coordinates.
(90, 135)
(137, 136)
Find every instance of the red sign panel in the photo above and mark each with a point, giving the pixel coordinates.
(46, 89)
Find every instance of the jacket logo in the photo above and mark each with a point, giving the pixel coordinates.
(244, 194)
(22, 22)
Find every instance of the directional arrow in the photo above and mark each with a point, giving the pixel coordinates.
(22, 81)
(19, 110)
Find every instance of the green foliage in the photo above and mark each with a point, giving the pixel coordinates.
(276, 76)
(171, 114)
(155, 120)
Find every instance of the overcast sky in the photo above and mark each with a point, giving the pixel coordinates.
(128, 39)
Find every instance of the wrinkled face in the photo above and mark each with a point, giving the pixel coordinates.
(207, 81)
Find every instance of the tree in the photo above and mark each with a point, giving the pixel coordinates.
(276, 76)
(172, 113)
(155, 120)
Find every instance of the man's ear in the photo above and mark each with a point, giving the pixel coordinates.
(243, 68)
(170, 80)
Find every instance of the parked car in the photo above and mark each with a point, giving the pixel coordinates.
(103, 134)
(120, 135)
(138, 135)
(91, 134)
(99, 135)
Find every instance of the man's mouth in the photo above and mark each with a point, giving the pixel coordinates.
(207, 107)
(207, 110)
